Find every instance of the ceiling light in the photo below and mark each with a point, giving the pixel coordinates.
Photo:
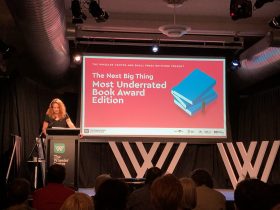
(171, 3)
(155, 48)
(235, 64)
(275, 22)
(97, 12)
(174, 30)
(240, 9)
(77, 15)
(77, 59)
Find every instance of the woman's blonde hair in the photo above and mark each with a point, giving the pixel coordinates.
(189, 193)
(62, 108)
(78, 201)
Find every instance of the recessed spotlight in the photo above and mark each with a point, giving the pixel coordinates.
(77, 58)
(235, 64)
(155, 48)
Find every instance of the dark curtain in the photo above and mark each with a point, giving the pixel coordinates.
(259, 116)
(97, 158)
(23, 104)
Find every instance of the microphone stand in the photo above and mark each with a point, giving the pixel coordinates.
(40, 149)
(12, 158)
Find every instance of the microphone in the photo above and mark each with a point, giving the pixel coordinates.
(40, 135)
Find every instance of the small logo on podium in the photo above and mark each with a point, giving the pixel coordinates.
(59, 148)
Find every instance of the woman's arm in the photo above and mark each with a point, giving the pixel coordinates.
(44, 128)
(69, 123)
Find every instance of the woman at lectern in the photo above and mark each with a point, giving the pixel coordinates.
(56, 116)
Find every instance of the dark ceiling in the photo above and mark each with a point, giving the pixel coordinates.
(43, 38)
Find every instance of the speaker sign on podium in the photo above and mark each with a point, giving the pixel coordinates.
(62, 148)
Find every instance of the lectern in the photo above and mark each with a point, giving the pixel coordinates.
(62, 148)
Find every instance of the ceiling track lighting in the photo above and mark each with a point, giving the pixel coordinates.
(97, 12)
(77, 15)
(240, 9)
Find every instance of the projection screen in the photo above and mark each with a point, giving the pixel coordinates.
(166, 97)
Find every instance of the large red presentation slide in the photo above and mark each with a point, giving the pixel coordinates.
(134, 96)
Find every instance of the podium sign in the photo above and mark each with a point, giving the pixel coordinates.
(62, 148)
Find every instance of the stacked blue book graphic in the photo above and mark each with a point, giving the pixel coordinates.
(194, 92)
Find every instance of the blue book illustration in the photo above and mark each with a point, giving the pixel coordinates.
(210, 94)
(192, 109)
(194, 86)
